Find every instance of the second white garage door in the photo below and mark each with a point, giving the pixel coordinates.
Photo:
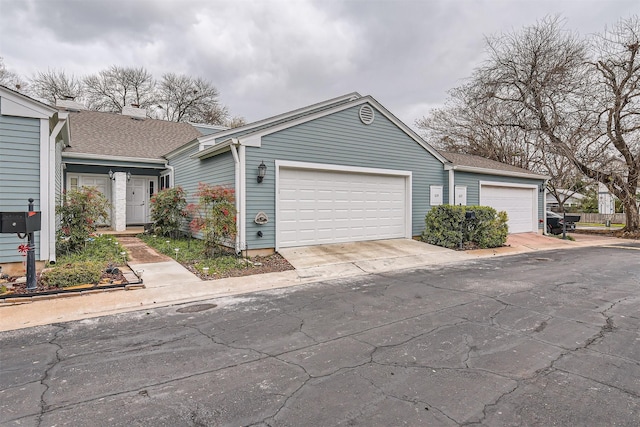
(520, 203)
(318, 207)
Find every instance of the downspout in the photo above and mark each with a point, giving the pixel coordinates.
(50, 209)
(238, 190)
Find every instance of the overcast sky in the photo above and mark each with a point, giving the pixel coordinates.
(267, 57)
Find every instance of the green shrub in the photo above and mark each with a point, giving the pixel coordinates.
(168, 211)
(78, 273)
(446, 226)
(80, 212)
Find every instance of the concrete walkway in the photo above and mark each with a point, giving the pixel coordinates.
(167, 282)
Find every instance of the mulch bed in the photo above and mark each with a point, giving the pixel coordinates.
(20, 289)
(268, 264)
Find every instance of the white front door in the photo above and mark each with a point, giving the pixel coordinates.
(137, 200)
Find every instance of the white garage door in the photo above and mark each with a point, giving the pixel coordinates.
(519, 203)
(318, 207)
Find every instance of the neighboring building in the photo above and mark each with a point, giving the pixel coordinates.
(121, 155)
(32, 135)
(571, 199)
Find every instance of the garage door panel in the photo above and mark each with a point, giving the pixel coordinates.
(519, 203)
(329, 207)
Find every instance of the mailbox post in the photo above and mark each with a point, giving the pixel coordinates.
(31, 255)
(24, 224)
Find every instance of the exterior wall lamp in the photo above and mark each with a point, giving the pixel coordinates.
(262, 172)
(112, 175)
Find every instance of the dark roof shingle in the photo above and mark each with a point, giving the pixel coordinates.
(470, 160)
(112, 134)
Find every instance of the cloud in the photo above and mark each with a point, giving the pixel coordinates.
(270, 56)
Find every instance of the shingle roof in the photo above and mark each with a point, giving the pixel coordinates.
(113, 134)
(470, 160)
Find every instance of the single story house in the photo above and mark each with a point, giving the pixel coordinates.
(342, 170)
(571, 198)
(345, 170)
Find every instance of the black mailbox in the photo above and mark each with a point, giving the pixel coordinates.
(20, 222)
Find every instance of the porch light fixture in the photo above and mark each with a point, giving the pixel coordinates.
(262, 171)
(111, 175)
(128, 176)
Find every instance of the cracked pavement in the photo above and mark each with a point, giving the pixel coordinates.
(545, 338)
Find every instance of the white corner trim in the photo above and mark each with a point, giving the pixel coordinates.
(47, 233)
(242, 162)
(452, 185)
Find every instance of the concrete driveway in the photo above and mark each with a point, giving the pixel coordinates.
(350, 259)
(538, 339)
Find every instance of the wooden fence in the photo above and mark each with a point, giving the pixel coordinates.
(597, 218)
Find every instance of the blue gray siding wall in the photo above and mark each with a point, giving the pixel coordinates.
(19, 176)
(189, 172)
(471, 181)
(342, 139)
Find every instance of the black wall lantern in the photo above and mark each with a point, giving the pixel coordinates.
(262, 171)
(111, 177)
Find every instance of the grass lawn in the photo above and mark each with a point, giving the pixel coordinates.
(191, 253)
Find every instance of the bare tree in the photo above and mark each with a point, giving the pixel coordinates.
(183, 98)
(235, 122)
(116, 87)
(52, 85)
(572, 99)
(10, 79)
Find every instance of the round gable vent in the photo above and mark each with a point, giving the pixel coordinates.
(366, 114)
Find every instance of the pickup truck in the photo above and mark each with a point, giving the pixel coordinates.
(555, 221)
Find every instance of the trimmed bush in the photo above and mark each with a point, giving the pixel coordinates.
(445, 226)
(78, 273)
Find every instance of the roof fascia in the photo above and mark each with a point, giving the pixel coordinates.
(214, 150)
(211, 138)
(486, 171)
(21, 105)
(105, 158)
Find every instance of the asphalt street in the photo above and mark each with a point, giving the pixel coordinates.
(539, 339)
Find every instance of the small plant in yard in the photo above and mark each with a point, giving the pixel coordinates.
(72, 274)
(168, 210)
(85, 266)
(214, 216)
(80, 212)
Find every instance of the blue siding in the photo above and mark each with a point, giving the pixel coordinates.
(19, 176)
(218, 170)
(342, 139)
(472, 181)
